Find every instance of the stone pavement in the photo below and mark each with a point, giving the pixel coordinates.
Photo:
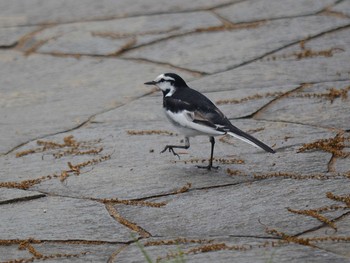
(81, 177)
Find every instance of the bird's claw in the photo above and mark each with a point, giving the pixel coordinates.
(170, 150)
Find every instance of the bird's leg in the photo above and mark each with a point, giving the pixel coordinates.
(170, 147)
(210, 166)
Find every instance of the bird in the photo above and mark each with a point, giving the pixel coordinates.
(193, 114)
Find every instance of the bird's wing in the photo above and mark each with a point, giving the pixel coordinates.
(211, 119)
(204, 114)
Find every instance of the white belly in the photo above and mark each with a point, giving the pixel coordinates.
(187, 127)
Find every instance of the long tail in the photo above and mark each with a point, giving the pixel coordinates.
(235, 132)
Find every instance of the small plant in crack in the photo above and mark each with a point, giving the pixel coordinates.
(69, 146)
(150, 132)
(142, 248)
(334, 145)
(178, 256)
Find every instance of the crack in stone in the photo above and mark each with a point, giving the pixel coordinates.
(282, 48)
(189, 190)
(190, 71)
(66, 241)
(115, 35)
(274, 18)
(23, 41)
(22, 199)
(115, 253)
(255, 115)
(292, 122)
(331, 163)
(289, 84)
(322, 225)
(328, 10)
(10, 46)
(132, 226)
(127, 46)
(226, 26)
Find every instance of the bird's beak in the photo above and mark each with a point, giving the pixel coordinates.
(150, 83)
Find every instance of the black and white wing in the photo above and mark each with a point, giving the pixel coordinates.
(187, 115)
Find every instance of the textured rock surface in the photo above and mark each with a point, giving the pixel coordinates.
(218, 51)
(70, 100)
(47, 12)
(58, 219)
(81, 174)
(250, 10)
(114, 36)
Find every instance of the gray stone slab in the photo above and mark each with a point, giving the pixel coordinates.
(10, 195)
(342, 164)
(124, 175)
(240, 210)
(60, 218)
(218, 51)
(31, 12)
(264, 254)
(83, 43)
(109, 37)
(9, 36)
(333, 45)
(285, 69)
(330, 50)
(294, 107)
(247, 11)
(57, 94)
(342, 7)
(11, 252)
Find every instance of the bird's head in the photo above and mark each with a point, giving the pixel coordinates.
(168, 83)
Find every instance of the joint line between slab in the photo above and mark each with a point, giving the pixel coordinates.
(282, 48)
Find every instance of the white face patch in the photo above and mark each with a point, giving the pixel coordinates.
(165, 84)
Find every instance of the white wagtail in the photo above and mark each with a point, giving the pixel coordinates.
(194, 114)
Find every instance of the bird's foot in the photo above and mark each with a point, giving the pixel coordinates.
(170, 150)
(208, 167)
